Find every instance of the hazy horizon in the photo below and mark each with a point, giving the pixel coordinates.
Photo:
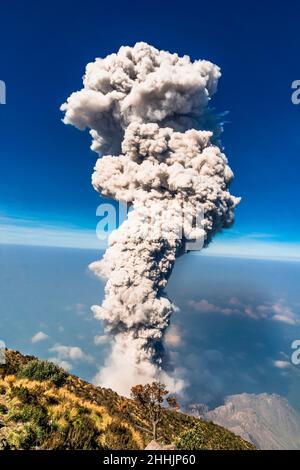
(237, 319)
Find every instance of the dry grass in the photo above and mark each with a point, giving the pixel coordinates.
(40, 414)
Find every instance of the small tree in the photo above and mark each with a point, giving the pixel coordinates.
(173, 403)
(151, 397)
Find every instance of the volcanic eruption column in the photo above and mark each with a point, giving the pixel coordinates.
(147, 111)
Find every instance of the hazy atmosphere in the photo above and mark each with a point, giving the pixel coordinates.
(233, 333)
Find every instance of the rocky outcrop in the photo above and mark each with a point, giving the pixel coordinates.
(268, 421)
(154, 445)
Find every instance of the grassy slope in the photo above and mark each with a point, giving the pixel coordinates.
(38, 414)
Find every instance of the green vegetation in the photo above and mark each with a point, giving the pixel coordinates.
(79, 434)
(43, 370)
(43, 407)
(210, 437)
(119, 436)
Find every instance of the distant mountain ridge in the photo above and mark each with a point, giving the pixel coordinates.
(266, 420)
(44, 407)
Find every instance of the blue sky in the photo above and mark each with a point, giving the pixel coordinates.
(45, 191)
(238, 317)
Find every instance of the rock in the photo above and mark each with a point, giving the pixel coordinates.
(266, 420)
(197, 410)
(154, 445)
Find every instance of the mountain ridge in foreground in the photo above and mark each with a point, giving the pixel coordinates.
(44, 407)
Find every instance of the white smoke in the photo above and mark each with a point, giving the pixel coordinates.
(149, 109)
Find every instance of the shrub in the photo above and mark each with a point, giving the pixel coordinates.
(3, 409)
(208, 436)
(34, 413)
(30, 413)
(119, 437)
(51, 400)
(29, 437)
(80, 434)
(43, 370)
(194, 439)
(54, 441)
(23, 394)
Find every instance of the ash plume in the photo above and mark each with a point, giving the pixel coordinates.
(147, 111)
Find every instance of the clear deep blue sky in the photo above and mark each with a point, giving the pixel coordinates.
(46, 166)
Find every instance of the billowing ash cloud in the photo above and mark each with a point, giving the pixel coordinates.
(149, 110)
